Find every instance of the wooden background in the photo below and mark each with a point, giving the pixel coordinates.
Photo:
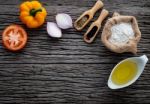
(67, 70)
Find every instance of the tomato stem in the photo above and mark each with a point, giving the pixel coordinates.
(34, 11)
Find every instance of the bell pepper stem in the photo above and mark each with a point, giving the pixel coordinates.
(34, 11)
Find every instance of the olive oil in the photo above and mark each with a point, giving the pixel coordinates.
(124, 72)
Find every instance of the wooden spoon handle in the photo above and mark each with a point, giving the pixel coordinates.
(102, 16)
(99, 4)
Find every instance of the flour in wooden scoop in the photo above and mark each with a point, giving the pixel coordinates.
(121, 33)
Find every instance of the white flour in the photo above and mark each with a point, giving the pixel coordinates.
(121, 33)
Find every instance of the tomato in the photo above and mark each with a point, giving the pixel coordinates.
(14, 38)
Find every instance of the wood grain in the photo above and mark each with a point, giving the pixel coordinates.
(67, 70)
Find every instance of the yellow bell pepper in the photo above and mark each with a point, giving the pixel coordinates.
(32, 14)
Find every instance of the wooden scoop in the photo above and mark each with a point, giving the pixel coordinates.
(85, 18)
(91, 33)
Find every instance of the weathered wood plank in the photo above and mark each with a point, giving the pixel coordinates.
(30, 83)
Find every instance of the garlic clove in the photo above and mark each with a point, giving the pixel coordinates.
(64, 21)
(53, 30)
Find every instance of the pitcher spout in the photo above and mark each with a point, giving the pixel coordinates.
(144, 58)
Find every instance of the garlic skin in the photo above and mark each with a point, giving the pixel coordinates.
(53, 30)
(64, 21)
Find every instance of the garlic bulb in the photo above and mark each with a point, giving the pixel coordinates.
(64, 21)
(53, 30)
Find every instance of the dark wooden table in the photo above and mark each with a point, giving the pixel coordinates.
(67, 70)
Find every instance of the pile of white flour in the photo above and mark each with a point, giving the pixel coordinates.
(121, 33)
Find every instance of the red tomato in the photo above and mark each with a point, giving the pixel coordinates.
(14, 37)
